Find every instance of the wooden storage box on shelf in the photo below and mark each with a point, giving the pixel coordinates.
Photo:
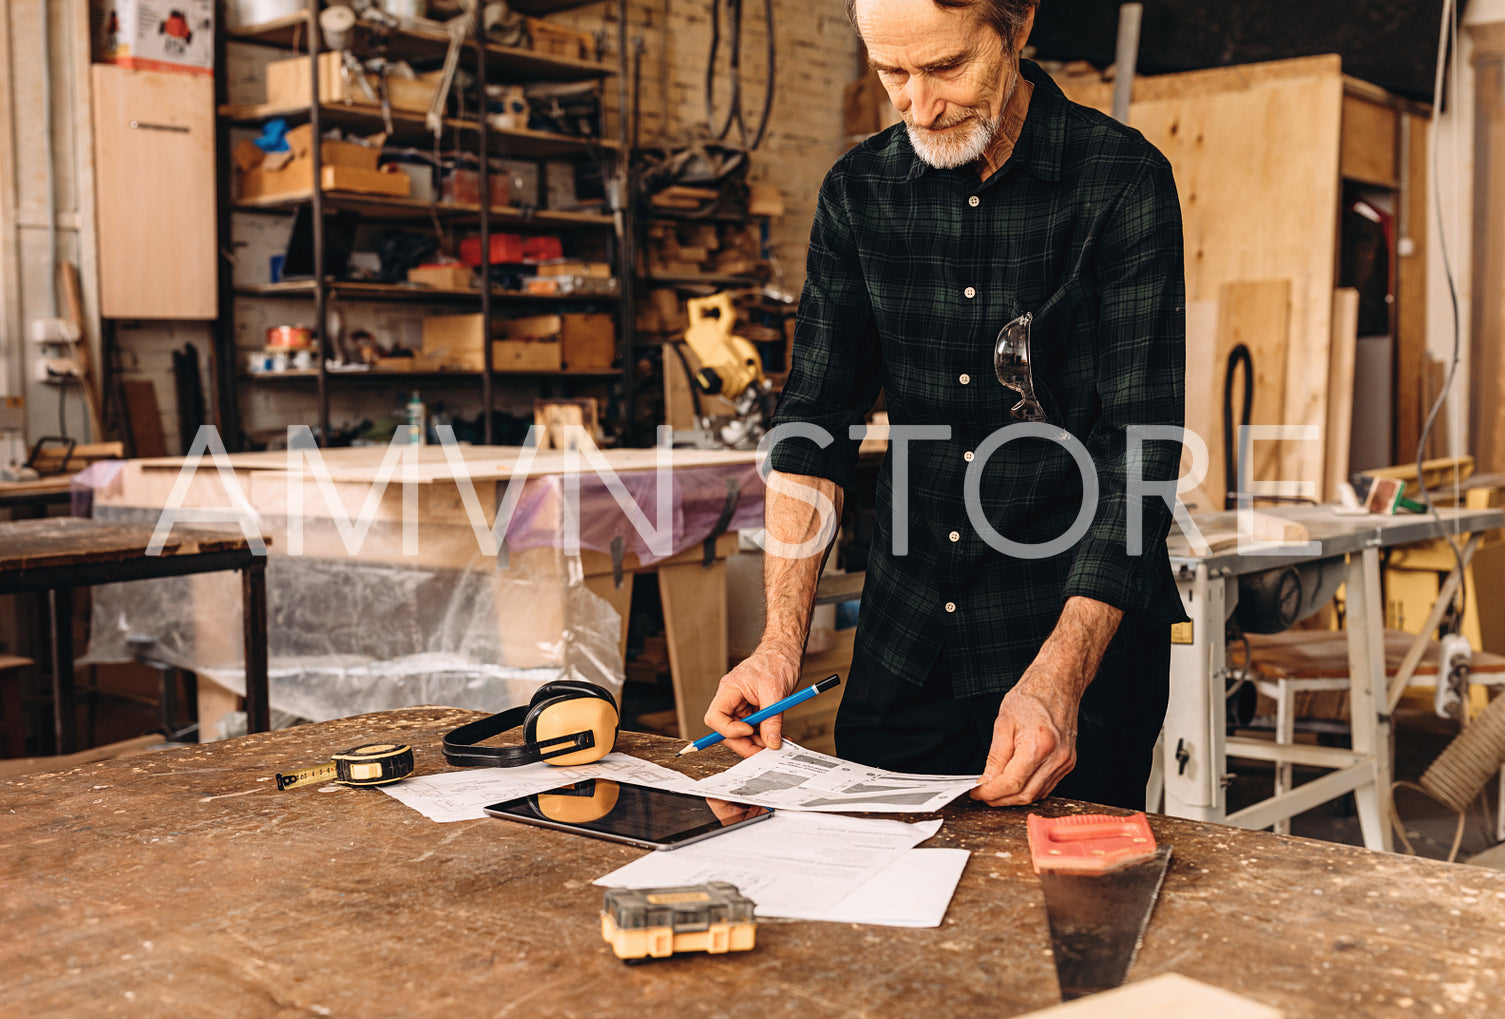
(558, 41)
(588, 340)
(454, 341)
(288, 85)
(347, 167)
(446, 276)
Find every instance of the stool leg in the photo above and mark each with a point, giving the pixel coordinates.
(1285, 734)
(64, 719)
(13, 734)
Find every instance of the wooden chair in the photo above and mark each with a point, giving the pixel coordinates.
(12, 719)
(1287, 665)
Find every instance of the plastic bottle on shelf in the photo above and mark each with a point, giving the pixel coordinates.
(416, 414)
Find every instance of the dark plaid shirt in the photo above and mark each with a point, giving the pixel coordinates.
(912, 272)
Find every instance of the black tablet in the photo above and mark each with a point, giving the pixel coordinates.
(637, 815)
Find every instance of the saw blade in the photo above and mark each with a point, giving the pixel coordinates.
(1097, 922)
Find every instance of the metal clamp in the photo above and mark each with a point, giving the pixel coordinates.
(728, 507)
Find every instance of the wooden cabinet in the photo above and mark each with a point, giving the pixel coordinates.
(155, 194)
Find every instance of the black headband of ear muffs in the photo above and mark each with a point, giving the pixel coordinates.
(459, 743)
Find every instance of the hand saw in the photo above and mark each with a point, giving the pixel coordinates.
(1101, 876)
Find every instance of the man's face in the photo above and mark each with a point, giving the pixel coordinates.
(947, 73)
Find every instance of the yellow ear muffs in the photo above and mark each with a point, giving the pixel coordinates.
(567, 722)
(570, 713)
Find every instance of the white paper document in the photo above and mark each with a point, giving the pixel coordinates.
(795, 864)
(463, 795)
(913, 891)
(793, 778)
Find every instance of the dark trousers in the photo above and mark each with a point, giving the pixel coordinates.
(889, 722)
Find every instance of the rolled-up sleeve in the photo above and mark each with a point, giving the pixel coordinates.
(837, 370)
(1140, 367)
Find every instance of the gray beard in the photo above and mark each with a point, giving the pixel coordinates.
(954, 152)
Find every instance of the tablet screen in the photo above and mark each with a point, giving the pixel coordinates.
(638, 815)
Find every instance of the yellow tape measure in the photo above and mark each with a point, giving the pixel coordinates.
(372, 764)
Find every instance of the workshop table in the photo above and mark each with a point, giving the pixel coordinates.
(36, 495)
(62, 553)
(1196, 747)
(183, 883)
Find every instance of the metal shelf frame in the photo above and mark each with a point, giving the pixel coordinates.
(491, 62)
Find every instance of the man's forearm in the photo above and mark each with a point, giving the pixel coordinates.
(1075, 648)
(800, 517)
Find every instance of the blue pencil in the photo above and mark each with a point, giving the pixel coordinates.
(778, 707)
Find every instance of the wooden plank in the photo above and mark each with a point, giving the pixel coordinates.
(1340, 388)
(145, 417)
(484, 463)
(1255, 152)
(488, 904)
(1369, 149)
(154, 154)
(1487, 371)
(1411, 287)
(109, 752)
(694, 600)
(1204, 402)
(1169, 994)
(88, 377)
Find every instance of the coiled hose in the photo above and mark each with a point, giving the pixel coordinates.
(1461, 771)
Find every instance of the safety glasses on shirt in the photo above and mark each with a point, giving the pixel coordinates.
(1011, 363)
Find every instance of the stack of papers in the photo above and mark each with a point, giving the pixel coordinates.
(810, 866)
(790, 778)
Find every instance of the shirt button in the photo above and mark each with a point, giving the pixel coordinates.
(964, 378)
(974, 201)
(951, 606)
(968, 456)
(970, 292)
(955, 536)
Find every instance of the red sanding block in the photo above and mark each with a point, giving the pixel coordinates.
(1089, 843)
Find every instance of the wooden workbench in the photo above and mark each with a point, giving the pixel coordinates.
(184, 883)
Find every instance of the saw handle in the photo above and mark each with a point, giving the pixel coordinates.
(1089, 843)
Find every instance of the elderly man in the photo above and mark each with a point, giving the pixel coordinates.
(1003, 256)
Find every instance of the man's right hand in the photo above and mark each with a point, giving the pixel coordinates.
(764, 677)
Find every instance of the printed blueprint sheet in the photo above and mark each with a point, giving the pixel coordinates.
(793, 778)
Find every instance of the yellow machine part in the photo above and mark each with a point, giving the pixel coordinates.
(662, 942)
(733, 360)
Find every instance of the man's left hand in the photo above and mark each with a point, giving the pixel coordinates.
(1034, 739)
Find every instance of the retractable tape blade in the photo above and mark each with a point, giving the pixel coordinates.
(371, 764)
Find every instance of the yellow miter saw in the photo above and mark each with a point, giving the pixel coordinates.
(731, 368)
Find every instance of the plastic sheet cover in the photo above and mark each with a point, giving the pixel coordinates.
(348, 636)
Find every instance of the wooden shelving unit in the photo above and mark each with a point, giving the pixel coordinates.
(425, 44)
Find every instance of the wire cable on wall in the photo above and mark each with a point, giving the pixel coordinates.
(734, 50)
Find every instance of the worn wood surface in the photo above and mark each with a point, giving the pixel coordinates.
(183, 883)
(67, 541)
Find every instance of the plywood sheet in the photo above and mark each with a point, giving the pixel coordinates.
(1255, 152)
